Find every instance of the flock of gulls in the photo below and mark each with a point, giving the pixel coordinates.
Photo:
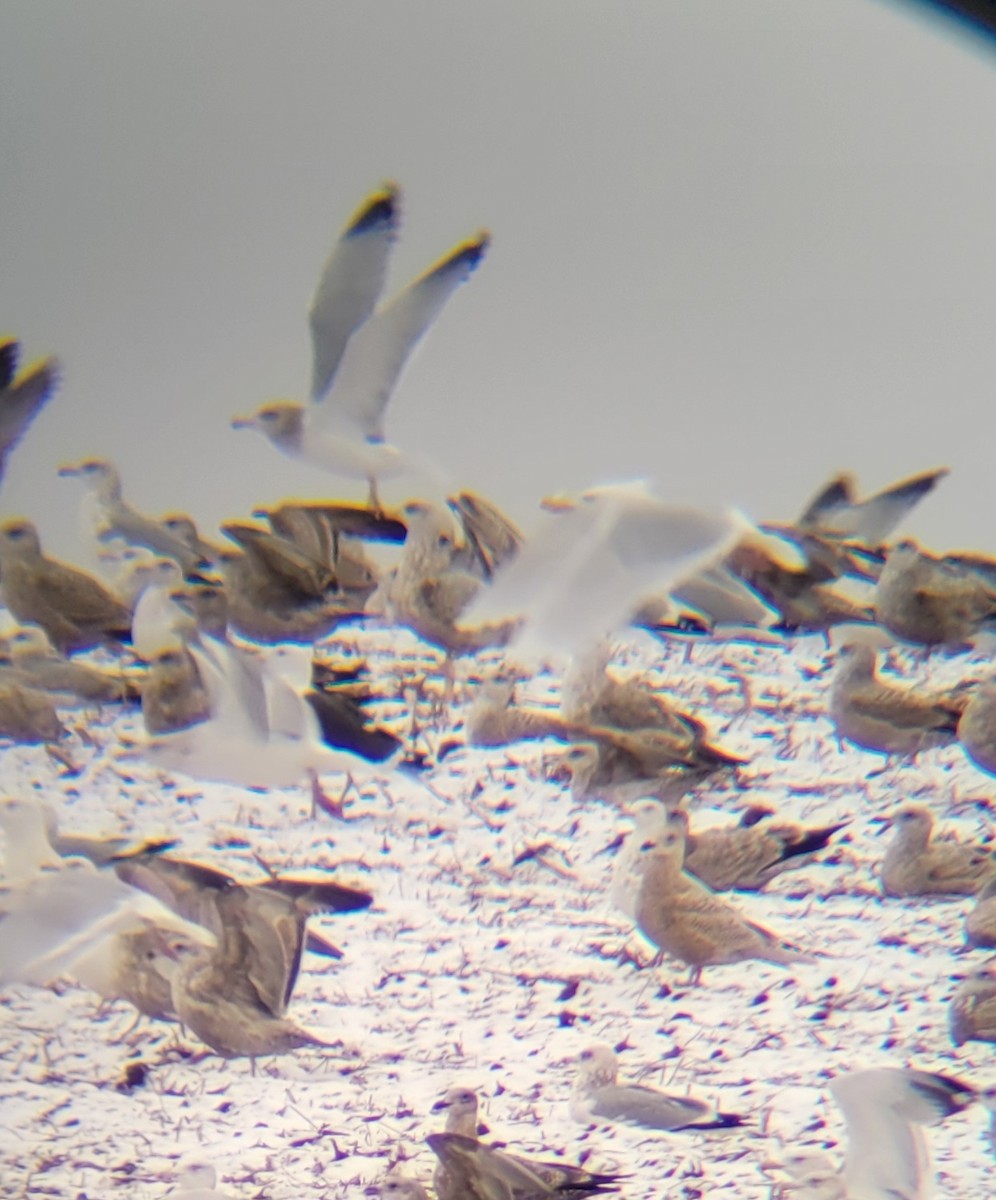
(627, 830)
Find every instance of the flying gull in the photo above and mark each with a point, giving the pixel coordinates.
(360, 353)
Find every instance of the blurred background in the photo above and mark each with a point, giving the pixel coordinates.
(737, 246)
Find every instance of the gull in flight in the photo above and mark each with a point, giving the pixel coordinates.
(22, 397)
(583, 574)
(360, 350)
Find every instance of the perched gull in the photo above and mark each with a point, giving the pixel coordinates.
(931, 601)
(885, 1110)
(460, 1106)
(977, 726)
(980, 922)
(22, 397)
(27, 714)
(917, 864)
(37, 664)
(74, 609)
(584, 573)
(685, 920)
(882, 717)
(597, 1097)
(107, 514)
(359, 354)
(972, 1015)
(173, 695)
(746, 856)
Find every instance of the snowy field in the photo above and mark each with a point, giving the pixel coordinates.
(472, 970)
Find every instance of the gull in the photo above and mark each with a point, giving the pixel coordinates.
(106, 514)
(748, 855)
(917, 864)
(931, 601)
(460, 1106)
(27, 714)
(881, 717)
(493, 719)
(885, 1110)
(360, 353)
(596, 1097)
(584, 573)
(75, 610)
(398, 1187)
(430, 592)
(173, 695)
(22, 397)
(261, 927)
(685, 920)
(836, 512)
(159, 622)
(977, 726)
(492, 538)
(37, 664)
(972, 1015)
(261, 732)
(980, 922)
(60, 913)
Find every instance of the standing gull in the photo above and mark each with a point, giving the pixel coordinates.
(597, 1097)
(71, 606)
(359, 353)
(685, 920)
(37, 664)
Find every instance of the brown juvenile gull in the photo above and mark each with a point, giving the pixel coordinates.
(429, 594)
(748, 855)
(260, 926)
(685, 920)
(885, 1110)
(916, 864)
(22, 397)
(977, 726)
(980, 922)
(596, 1097)
(460, 1106)
(57, 915)
(71, 606)
(473, 1171)
(39, 665)
(491, 537)
(397, 1187)
(620, 765)
(359, 353)
(27, 714)
(972, 1015)
(882, 717)
(173, 695)
(108, 514)
(493, 718)
(930, 601)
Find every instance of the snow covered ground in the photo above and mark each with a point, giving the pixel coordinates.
(472, 970)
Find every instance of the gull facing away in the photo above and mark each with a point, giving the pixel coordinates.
(596, 1097)
(359, 353)
(583, 574)
(885, 1110)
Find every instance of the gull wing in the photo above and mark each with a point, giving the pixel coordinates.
(648, 1108)
(22, 399)
(351, 282)
(377, 353)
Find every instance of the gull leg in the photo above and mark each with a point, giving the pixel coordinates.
(320, 799)
(373, 498)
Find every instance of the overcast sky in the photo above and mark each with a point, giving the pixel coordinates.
(738, 244)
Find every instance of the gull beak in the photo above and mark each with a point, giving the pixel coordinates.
(241, 422)
(68, 469)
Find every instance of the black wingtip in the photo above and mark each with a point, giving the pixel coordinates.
(379, 211)
(10, 349)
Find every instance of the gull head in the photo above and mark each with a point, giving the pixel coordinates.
(29, 641)
(19, 539)
(93, 471)
(576, 765)
(597, 1066)
(282, 424)
(397, 1187)
(458, 1100)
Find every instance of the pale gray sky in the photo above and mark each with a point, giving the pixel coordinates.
(738, 244)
